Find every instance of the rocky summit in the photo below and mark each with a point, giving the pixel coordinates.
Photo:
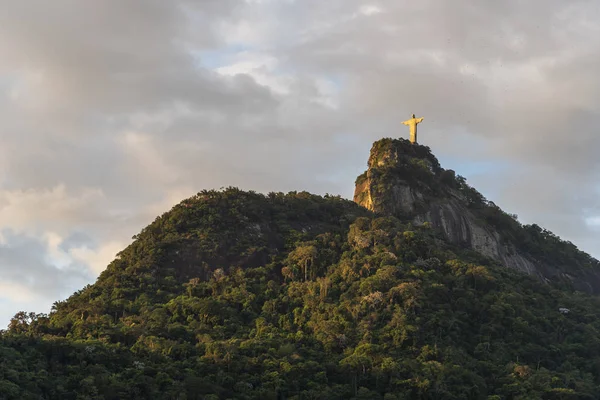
(406, 180)
(419, 289)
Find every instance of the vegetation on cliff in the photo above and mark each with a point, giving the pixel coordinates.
(397, 163)
(237, 295)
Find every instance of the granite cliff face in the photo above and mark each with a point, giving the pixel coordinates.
(407, 181)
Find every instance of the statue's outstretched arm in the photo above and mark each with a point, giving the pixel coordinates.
(406, 122)
(419, 119)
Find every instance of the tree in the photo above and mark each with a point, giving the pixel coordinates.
(304, 256)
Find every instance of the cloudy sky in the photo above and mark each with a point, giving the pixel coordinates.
(112, 111)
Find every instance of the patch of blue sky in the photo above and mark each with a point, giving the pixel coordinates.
(476, 163)
(480, 174)
(479, 171)
(593, 222)
(213, 59)
(217, 58)
(472, 168)
(336, 81)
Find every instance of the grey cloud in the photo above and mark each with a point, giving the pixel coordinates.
(23, 262)
(100, 64)
(111, 59)
(77, 239)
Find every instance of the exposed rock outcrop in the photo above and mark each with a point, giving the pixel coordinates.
(406, 181)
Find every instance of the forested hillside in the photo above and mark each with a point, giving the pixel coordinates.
(237, 295)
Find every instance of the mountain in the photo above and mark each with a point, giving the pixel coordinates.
(429, 291)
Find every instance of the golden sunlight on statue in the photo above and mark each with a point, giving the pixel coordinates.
(412, 124)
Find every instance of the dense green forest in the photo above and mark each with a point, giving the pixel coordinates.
(239, 295)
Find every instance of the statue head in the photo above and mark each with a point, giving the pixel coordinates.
(413, 115)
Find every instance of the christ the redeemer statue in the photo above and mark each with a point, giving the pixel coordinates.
(412, 124)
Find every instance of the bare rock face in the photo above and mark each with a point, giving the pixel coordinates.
(406, 181)
(461, 227)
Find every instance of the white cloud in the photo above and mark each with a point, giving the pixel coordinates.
(97, 259)
(370, 9)
(17, 293)
(29, 210)
(262, 68)
(594, 222)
